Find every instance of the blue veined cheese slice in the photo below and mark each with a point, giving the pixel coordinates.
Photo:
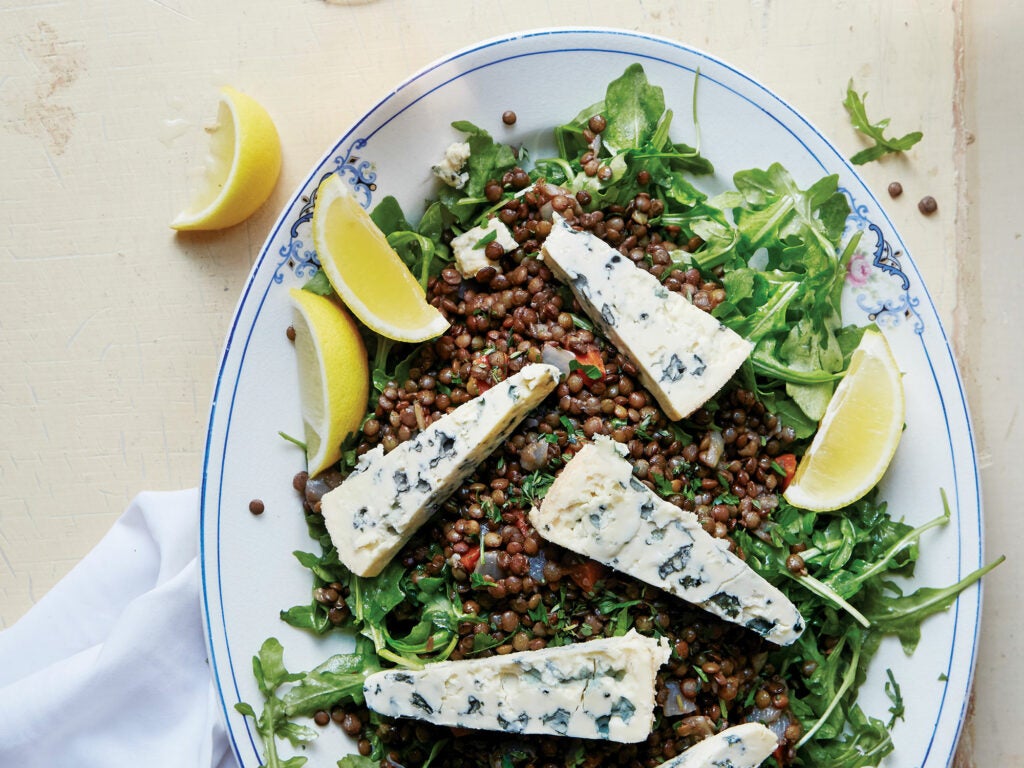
(683, 355)
(595, 507)
(386, 499)
(600, 689)
(741, 746)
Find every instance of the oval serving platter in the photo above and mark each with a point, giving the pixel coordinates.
(248, 571)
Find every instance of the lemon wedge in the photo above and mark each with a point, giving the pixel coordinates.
(365, 270)
(858, 434)
(242, 166)
(334, 376)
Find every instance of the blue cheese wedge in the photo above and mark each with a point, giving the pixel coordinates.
(469, 248)
(386, 499)
(597, 508)
(601, 689)
(683, 355)
(741, 746)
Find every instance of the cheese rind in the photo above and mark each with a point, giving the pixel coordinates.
(601, 689)
(595, 507)
(386, 499)
(742, 746)
(683, 354)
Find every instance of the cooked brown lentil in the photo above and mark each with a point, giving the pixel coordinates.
(717, 464)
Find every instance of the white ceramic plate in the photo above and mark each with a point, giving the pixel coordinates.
(248, 571)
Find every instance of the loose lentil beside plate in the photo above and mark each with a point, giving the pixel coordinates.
(478, 580)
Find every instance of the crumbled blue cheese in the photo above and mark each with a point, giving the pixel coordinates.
(387, 498)
(470, 247)
(683, 355)
(741, 746)
(449, 170)
(597, 508)
(601, 689)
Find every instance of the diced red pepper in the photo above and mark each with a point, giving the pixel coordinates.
(788, 463)
(519, 521)
(470, 559)
(592, 357)
(482, 385)
(587, 574)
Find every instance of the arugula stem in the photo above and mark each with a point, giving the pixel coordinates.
(904, 542)
(425, 273)
(696, 121)
(291, 439)
(848, 678)
(765, 316)
(769, 367)
(402, 661)
(935, 601)
(667, 155)
(825, 591)
(380, 354)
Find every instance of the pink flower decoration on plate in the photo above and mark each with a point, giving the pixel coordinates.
(858, 271)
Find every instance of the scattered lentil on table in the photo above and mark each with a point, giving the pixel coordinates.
(928, 205)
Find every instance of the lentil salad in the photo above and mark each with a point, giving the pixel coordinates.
(480, 581)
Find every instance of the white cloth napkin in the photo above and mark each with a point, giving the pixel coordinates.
(110, 667)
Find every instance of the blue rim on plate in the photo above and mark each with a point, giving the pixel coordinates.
(883, 285)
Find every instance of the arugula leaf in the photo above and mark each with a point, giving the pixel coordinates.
(416, 250)
(783, 284)
(338, 680)
(388, 216)
(854, 104)
(418, 254)
(491, 235)
(635, 139)
(436, 633)
(373, 598)
(488, 159)
(632, 108)
(272, 723)
(770, 208)
(534, 487)
(381, 373)
(892, 612)
(892, 690)
(358, 761)
(853, 556)
(319, 284)
(589, 370)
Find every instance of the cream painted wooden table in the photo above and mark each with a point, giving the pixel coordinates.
(111, 326)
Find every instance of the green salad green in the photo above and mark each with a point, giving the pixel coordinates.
(778, 252)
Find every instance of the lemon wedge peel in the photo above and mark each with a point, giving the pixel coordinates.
(235, 185)
(366, 272)
(858, 435)
(334, 376)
